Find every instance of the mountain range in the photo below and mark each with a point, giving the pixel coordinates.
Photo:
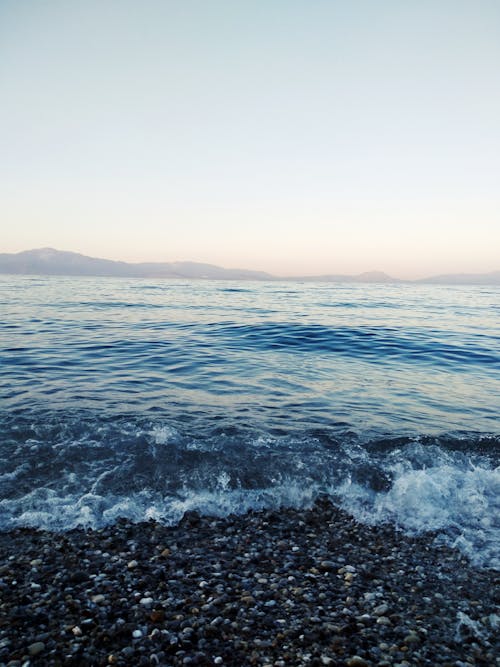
(47, 261)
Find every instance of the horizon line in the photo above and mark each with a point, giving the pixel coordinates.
(369, 275)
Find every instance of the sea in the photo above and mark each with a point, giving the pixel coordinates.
(145, 399)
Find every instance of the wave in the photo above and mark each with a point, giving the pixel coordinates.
(85, 470)
(375, 342)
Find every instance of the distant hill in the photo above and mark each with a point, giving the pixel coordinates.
(47, 261)
(492, 278)
(367, 277)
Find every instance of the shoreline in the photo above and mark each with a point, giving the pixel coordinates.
(288, 587)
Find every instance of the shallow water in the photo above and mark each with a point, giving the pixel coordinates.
(144, 398)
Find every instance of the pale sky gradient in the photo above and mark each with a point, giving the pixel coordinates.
(291, 136)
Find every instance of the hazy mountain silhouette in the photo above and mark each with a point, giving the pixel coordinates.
(47, 261)
(366, 277)
(492, 278)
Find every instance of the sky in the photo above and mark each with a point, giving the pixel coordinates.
(290, 136)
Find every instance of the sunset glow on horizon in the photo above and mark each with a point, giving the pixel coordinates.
(295, 138)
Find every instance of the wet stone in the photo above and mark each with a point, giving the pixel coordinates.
(36, 648)
(356, 661)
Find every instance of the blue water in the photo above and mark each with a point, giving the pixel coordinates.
(145, 398)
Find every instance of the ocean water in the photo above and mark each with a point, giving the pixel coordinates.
(143, 399)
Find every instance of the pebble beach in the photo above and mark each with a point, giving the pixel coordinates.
(294, 587)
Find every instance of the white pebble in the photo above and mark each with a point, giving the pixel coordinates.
(137, 634)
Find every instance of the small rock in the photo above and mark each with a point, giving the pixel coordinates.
(157, 615)
(146, 602)
(36, 648)
(79, 576)
(98, 599)
(364, 618)
(131, 564)
(327, 565)
(248, 599)
(383, 620)
(191, 517)
(381, 609)
(357, 661)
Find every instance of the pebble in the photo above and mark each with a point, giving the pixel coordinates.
(357, 661)
(36, 648)
(383, 620)
(381, 610)
(327, 565)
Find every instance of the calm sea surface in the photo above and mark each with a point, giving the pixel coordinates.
(142, 399)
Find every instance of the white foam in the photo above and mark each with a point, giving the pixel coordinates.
(46, 509)
(462, 504)
(427, 488)
(163, 435)
(480, 629)
(10, 476)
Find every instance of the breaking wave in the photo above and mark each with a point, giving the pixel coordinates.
(82, 471)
